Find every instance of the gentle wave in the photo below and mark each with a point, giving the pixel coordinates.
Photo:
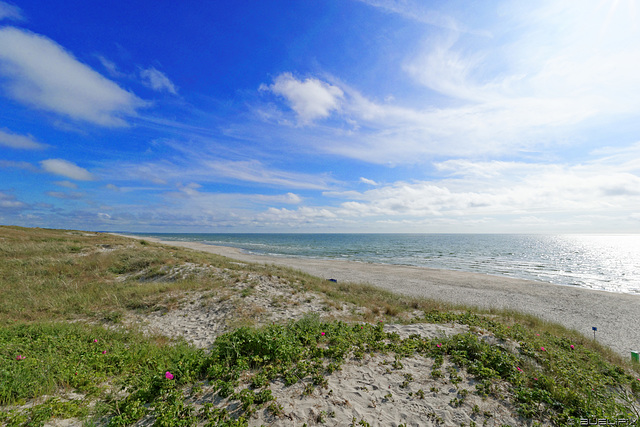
(603, 262)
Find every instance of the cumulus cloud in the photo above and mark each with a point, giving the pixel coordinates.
(42, 74)
(304, 215)
(10, 12)
(482, 194)
(66, 169)
(157, 81)
(500, 188)
(311, 99)
(23, 142)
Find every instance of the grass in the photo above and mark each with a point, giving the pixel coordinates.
(63, 275)
(63, 291)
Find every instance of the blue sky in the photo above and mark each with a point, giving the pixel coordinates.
(321, 116)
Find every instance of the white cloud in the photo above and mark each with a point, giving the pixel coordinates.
(551, 74)
(110, 66)
(311, 99)
(24, 142)
(490, 195)
(289, 198)
(157, 81)
(67, 184)
(302, 216)
(447, 71)
(255, 171)
(391, 134)
(416, 10)
(501, 188)
(18, 165)
(368, 181)
(10, 12)
(40, 73)
(66, 169)
(9, 201)
(200, 167)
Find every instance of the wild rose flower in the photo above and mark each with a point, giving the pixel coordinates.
(21, 357)
(322, 333)
(104, 352)
(571, 346)
(438, 345)
(168, 375)
(542, 349)
(518, 368)
(95, 340)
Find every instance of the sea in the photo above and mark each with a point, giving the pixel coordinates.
(595, 261)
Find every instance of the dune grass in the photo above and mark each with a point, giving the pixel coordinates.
(63, 291)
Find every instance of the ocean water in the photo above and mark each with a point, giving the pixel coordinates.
(602, 262)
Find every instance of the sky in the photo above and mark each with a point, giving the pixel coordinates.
(321, 116)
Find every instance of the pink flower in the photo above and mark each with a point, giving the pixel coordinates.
(104, 352)
(438, 345)
(537, 335)
(322, 333)
(535, 379)
(21, 357)
(95, 340)
(542, 349)
(518, 368)
(168, 375)
(571, 346)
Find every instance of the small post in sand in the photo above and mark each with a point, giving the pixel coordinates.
(594, 332)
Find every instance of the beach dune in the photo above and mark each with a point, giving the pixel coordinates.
(616, 316)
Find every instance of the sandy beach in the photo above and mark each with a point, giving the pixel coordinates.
(614, 315)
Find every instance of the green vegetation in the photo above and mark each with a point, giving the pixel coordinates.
(49, 277)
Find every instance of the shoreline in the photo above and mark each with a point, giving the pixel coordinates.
(614, 314)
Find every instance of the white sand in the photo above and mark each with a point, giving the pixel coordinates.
(616, 316)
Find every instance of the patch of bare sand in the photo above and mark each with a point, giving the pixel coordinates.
(249, 298)
(382, 391)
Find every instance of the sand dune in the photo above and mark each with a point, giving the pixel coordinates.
(616, 316)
